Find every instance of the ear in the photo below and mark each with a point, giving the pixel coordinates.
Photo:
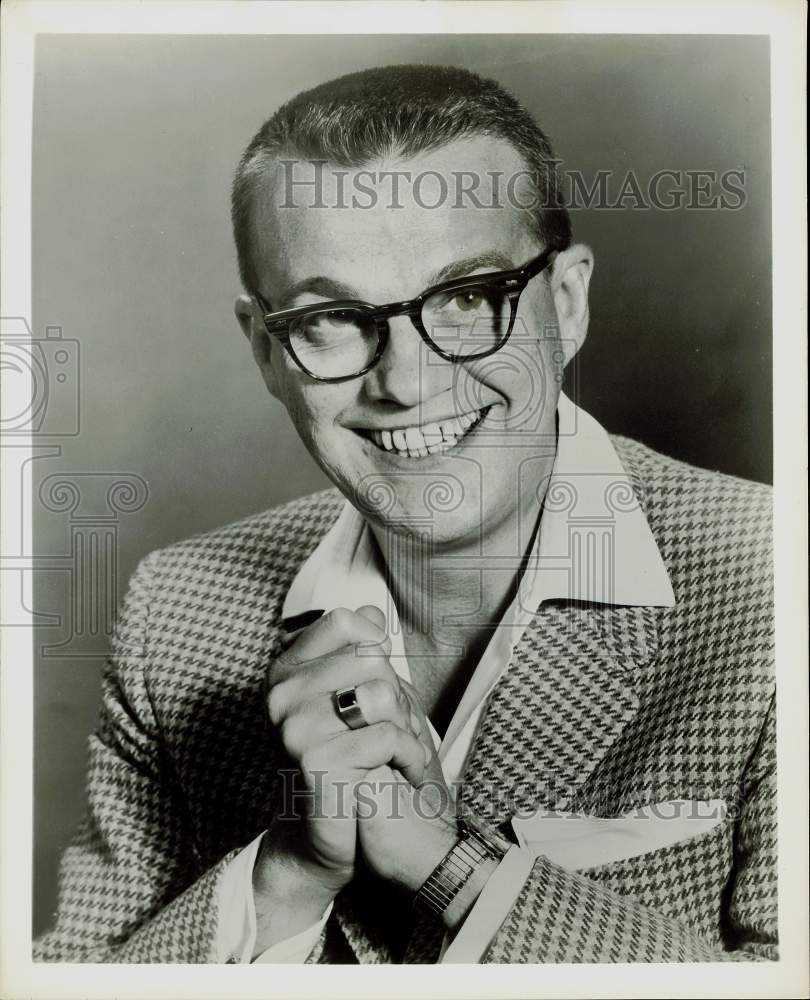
(570, 279)
(265, 352)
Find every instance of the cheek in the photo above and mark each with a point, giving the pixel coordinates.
(306, 413)
(313, 411)
(524, 378)
(519, 372)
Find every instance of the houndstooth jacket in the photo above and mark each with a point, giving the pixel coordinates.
(602, 709)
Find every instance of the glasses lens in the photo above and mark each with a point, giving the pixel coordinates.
(467, 321)
(334, 343)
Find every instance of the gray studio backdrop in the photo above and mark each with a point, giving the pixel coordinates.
(164, 427)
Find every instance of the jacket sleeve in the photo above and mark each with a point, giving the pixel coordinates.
(563, 916)
(131, 886)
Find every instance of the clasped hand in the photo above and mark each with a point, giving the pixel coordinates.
(376, 793)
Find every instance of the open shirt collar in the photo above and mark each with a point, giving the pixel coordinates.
(593, 543)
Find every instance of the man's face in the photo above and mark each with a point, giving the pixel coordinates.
(486, 474)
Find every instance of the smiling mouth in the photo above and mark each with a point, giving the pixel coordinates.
(425, 439)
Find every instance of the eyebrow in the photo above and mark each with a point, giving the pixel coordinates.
(492, 259)
(328, 288)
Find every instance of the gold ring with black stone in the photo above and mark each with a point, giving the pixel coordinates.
(348, 708)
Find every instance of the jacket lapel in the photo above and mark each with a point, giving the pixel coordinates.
(567, 695)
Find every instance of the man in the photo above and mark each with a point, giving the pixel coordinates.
(512, 700)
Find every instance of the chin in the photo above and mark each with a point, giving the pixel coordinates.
(441, 534)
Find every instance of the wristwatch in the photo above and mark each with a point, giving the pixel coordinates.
(452, 873)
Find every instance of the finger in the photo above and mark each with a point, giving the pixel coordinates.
(290, 636)
(377, 617)
(381, 701)
(385, 743)
(318, 721)
(308, 682)
(373, 614)
(347, 667)
(341, 627)
(354, 753)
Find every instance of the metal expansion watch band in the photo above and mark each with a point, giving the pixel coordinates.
(450, 875)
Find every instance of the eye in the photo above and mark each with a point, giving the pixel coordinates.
(340, 317)
(469, 301)
(333, 320)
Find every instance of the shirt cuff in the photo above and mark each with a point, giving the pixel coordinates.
(236, 917)
(489, 911)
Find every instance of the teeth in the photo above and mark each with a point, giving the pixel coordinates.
(432, 434)
(414, 438)
(451, 430)
(416, 442)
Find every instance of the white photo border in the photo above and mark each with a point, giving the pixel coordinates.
(785, 23)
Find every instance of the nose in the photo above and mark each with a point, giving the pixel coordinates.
(408, 371)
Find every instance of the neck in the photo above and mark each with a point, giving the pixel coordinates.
(450, 597)
(449, 604)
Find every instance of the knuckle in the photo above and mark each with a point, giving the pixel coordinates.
(340, 619)
(378, 699)
(276, 701)
(378, 667)
(289, 733)
(387, 696)
(359, 653)
(387, 731)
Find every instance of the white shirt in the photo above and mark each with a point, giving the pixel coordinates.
(345, 571)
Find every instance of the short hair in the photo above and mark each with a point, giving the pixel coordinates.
(406, 110)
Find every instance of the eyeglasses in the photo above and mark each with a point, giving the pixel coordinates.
(462, 319)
